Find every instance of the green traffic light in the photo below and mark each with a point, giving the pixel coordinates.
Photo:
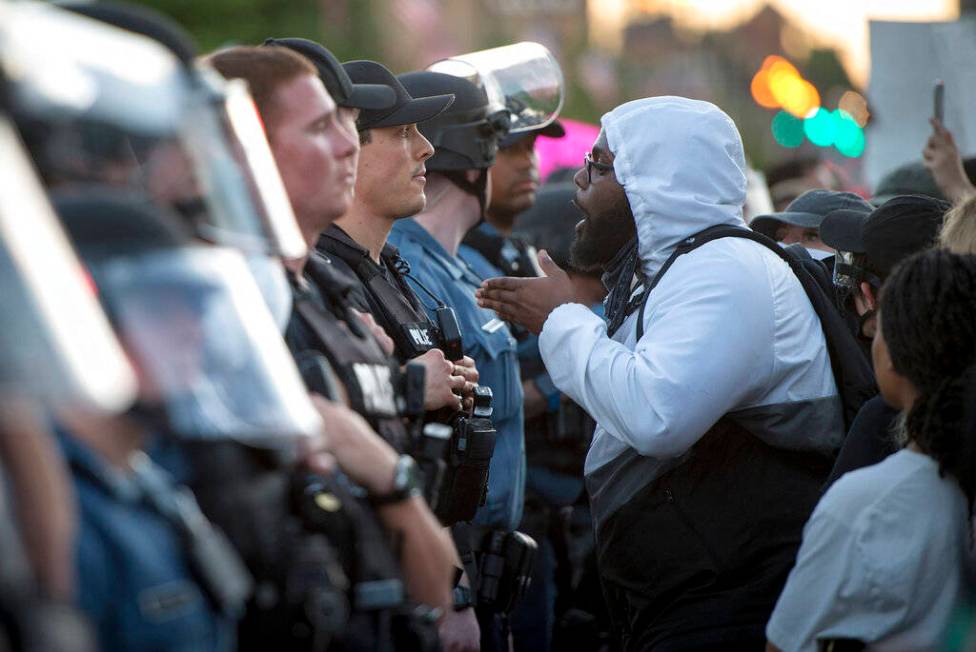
(821, 128)
(787, 129)
(849, 138)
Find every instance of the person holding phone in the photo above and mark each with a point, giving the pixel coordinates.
(941, 155)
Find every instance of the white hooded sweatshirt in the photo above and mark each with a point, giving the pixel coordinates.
(727, 331)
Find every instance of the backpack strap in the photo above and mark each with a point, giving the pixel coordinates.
(852, 372)
(686, 245)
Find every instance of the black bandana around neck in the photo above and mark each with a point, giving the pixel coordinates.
(618, 279)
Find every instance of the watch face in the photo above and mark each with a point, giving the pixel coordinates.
(408, 476)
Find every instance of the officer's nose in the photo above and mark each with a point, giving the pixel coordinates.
(426, 148)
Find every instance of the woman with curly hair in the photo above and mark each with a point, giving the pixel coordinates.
(883, 555)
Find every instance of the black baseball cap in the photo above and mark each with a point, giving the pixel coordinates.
(406, 110)
(808, 210)
(343, 90)
(898, 228)
(554, 129)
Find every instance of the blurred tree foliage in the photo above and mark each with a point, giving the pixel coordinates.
(346, 26)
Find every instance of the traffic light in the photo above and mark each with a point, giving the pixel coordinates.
(779, 85)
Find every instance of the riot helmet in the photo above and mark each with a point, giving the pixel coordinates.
(56, 346)
(524, 79)
(210, 361)
(465, 136)
(97, 105)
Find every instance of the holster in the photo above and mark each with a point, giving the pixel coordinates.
(465, 484)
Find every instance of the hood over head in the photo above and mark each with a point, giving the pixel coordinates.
(682, 167)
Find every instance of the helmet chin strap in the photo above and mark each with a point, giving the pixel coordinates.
(477, 188)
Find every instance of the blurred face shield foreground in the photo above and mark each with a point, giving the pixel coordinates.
(56, 345)
(109, 107)
(205, 346)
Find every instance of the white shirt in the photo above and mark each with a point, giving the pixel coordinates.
(881, 562)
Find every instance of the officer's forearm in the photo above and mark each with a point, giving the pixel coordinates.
(428, 558)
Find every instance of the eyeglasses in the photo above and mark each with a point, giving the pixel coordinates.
(589, 163)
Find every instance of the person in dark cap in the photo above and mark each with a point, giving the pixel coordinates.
(514, 182)
(800, 222)
(871, 244)
(389, 186)
(316, 156)
(868, 248)
(465, 138)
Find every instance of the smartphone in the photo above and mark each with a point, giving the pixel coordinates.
(938, 101)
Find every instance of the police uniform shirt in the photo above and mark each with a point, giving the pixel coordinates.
(134, 579)
(555, 487)
(489, 342)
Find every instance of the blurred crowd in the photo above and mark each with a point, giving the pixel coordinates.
(304, 354)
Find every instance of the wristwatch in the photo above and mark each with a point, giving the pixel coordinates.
(406, 483)
(462, 598)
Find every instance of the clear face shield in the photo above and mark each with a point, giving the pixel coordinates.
(523, 79)
(205, 346)
(56, 345)
(117, 109)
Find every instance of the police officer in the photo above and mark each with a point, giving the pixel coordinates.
(390, 185)
(153, 573)
(44, 367)
(316, 153)
(465, 139)
(492, 250)
(514, 184)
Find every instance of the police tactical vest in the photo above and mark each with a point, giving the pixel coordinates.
(371, 379)
(392, 301)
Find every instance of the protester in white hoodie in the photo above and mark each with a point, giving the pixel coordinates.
(716, 425)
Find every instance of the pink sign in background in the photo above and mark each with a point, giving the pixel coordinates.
(566, 152)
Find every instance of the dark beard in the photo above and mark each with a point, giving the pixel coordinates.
(593, 248)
